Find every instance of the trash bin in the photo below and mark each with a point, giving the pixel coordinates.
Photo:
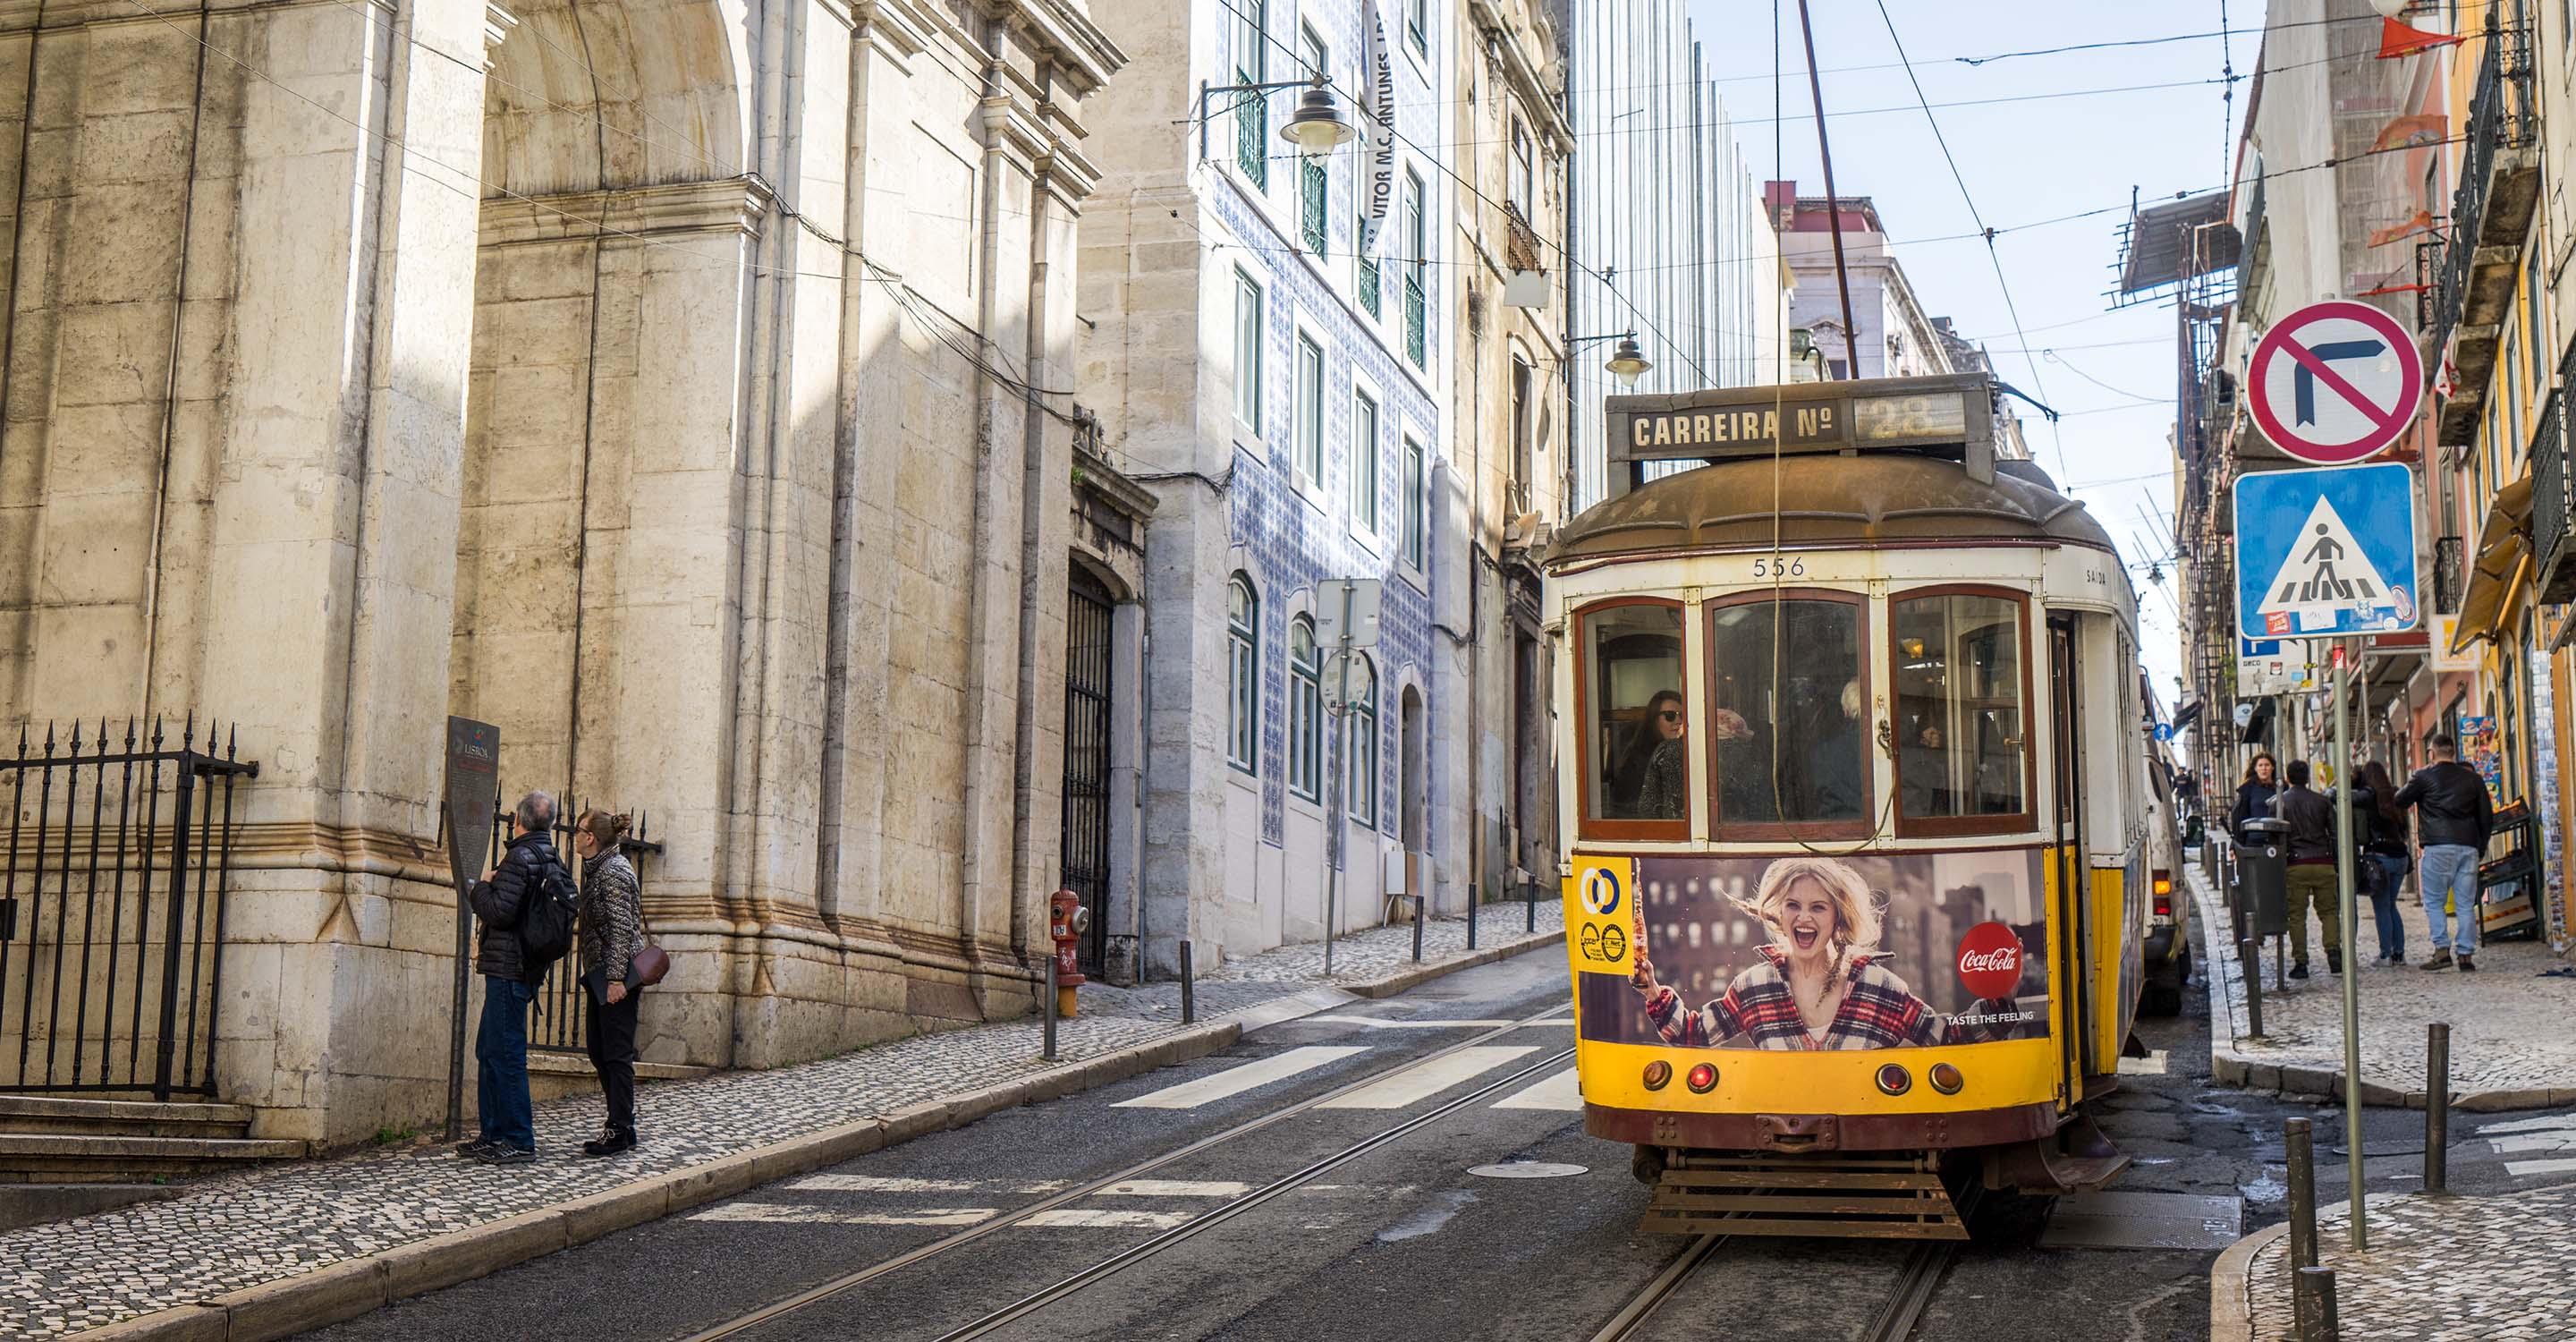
(2263, 875)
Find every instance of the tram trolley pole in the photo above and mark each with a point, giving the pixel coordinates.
(2437, 1107)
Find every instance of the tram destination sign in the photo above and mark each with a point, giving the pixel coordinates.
(1931, 414)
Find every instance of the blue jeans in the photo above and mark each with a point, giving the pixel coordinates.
(2391, 883)
(508, 1117)
(2451, 869)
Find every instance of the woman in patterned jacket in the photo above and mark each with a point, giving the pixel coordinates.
(612, 931)
(1818, 984)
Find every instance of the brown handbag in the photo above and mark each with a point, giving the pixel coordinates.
(648, 966)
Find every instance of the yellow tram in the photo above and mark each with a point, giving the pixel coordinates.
(1854, 783)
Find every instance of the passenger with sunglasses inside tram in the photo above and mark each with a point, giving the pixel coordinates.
(1652, 776)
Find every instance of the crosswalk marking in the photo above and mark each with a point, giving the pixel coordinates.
(2519, 1168)
(1558, 1092)
(1236, 1080)
(1429, 1078)
(2545, 1140)
(806, 1213)
(2545, 1123)
(1175, 1188)
(1385, 1023)
(1091, 1218)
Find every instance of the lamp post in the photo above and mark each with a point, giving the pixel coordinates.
(1626, 362)
(1317, 128)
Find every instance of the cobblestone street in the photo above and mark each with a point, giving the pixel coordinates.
(2509, 1045)
(2410, 1284)
(244, 1230)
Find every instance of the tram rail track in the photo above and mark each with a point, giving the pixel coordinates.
(1110, 1266)
(1898, 1313)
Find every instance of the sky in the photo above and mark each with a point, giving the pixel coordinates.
(2077, 136)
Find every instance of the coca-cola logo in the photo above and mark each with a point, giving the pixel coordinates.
(1990, 960)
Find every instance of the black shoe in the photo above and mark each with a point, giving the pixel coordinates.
(507, 1155)
(2334, 963)
(2468, 964)
(2397, 957)
(473, 1150)
(609, 1143)
(2299, 971)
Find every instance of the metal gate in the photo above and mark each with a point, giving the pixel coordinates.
(560, 1025)
(112, 907)
(1086, 758)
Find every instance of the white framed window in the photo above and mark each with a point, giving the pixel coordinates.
(1417, 504)
(1305, 711)
(1417, 25)
(1310, 408)
(1359, 785)
(1247, 350)
(1364, 454)
(1521, 184)
(1417, 229)
(1242, 676)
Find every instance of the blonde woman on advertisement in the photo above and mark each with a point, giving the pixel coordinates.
(1817, 984)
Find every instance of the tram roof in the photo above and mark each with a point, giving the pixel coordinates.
(1829, 501)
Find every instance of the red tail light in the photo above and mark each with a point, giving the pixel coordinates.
(2163, 891)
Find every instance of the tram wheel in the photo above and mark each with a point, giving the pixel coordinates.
(1647, 1164)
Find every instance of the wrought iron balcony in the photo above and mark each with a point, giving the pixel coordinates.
(1311, 195)
(1368, 285)
(1520, 247)
(2491, 211)
(2553, 511)
(2449, 575)
(1252, 139)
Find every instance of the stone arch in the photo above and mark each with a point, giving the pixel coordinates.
(604, 409)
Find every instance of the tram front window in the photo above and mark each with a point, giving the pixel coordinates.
(1959, 713)
(1791, 712)
(1640, 719)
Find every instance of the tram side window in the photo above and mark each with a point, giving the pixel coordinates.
(1639, 715)
(1791, 713)
(1959, 711)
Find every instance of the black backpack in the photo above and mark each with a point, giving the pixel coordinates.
(546, 922)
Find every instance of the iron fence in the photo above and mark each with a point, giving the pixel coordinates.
(559, 1024)
(112, 907)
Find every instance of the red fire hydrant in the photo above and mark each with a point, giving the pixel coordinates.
(1067, 920)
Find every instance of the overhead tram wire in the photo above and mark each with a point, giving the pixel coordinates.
(2056, 437)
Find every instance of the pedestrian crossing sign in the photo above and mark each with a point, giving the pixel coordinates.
(2325, 553)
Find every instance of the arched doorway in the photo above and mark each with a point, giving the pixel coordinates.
(1089, 704)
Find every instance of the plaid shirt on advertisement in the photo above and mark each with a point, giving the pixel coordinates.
(1878, 1011)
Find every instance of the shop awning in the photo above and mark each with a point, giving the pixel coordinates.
(2504, 542)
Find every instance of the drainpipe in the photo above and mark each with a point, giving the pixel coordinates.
(975, 870)
(1033, 490)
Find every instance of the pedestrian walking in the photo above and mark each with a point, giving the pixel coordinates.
(2454, 818)
(612, 931)
(2384, 856)
(2255, 795)
(2312, 869)
(510, 977)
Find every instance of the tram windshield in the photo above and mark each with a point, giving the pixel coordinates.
(1640, 717)
(1788, 730)
(1959, 712)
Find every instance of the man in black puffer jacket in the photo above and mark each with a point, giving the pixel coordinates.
(507, 1115)
(2454, 818)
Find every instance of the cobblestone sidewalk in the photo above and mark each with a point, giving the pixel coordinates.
(265, 1225)
(2438, 1270)
(2510, 1048)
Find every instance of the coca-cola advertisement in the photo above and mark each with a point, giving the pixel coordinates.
(1809, 951)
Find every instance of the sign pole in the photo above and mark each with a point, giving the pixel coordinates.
(2351, 976)
(1336, 840)
(471, 791)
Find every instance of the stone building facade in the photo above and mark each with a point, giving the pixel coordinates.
(680, 385)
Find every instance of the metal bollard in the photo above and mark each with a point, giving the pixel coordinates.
(2437, 1107)
(1189, 989)
(1046, 1048)
(2252, 965)
(1418, 902)
(2303, 1212)
(1529, 906)
(1475, 901)
(2313, 1292)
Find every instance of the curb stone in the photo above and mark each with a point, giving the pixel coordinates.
(2231, 1311)
(337, 1292)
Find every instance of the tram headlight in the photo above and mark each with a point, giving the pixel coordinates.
(1703, 1079)
(1659, 1074)
(1946, 1078)
(1894, 1079)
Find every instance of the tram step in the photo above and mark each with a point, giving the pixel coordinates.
(1863, 1197)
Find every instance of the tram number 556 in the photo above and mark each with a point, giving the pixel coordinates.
(1779, 566)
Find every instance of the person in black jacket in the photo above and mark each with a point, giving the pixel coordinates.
(2383, 852)
(2254, 795)
(2454, 818)
(507, 1116)
(2312, 870)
